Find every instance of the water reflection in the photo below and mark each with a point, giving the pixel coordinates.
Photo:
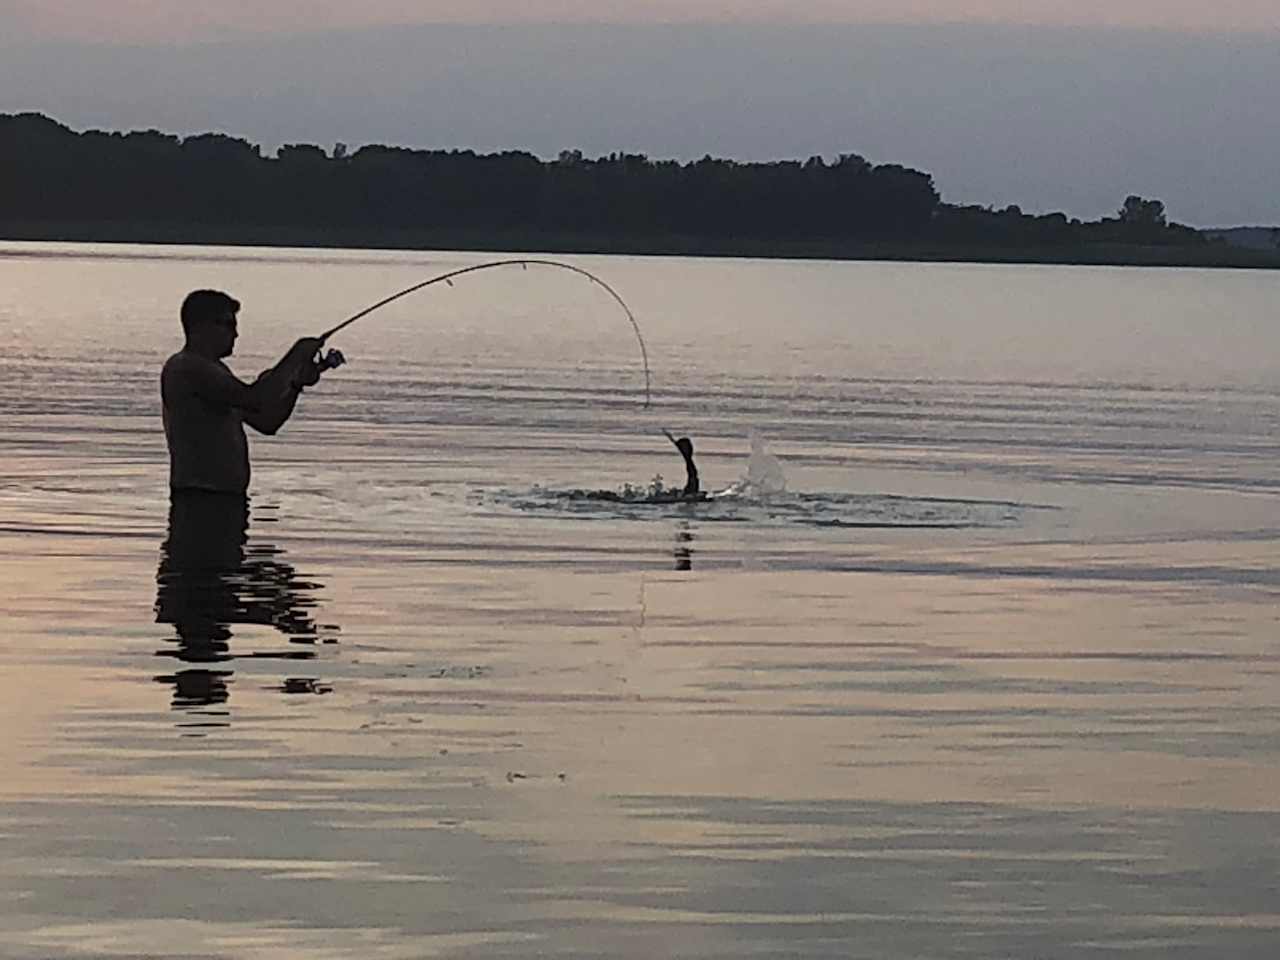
(683, 551)
(211, 578)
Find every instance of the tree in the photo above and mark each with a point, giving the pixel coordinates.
(50, 173)
(1140, 212)
(300, 154)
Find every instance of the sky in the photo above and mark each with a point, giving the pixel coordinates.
(1048, 105)
(166, 20)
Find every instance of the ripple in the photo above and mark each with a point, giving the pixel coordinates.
(816, 509)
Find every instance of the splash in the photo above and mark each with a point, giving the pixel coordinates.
(764, 477)
(655, 492)
(760, 496)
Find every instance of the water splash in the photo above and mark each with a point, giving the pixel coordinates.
(764, 477)
(760, 496)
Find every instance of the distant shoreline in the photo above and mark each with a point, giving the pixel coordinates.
(1216, 255)
(147, 186)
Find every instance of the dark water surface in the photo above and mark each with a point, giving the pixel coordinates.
(997, 674)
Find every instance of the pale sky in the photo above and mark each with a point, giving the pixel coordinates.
(1042, 103)
(150, 20)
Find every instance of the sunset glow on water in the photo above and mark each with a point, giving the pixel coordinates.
(995, 675)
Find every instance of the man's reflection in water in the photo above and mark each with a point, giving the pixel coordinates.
(210, 578)
(684, 548)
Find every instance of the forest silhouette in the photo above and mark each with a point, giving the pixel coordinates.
(148, 185)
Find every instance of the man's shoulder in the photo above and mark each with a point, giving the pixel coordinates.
(188, 376)
(185, 364)
(186, 359)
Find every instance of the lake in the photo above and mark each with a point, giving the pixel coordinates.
(979, 655)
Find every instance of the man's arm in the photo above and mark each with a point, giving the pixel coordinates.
(270, 417)
(215, 384)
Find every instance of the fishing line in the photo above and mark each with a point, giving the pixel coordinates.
(447, 277)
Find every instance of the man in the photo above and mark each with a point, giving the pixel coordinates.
(206, 405)
(206, 582)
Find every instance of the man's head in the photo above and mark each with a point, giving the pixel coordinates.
(209, 321)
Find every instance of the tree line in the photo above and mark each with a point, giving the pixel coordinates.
(52, 174)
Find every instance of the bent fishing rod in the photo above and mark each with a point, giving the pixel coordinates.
(490, 265)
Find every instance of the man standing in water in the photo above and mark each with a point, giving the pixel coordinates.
(206, 405)
(205, 583)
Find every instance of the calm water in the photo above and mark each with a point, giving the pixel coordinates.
(996, 675)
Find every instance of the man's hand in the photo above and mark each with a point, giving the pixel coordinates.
(299, 355)
(306, 347)
(309, 375)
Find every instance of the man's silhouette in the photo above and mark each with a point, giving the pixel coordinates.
(206, 405)
(209, 578)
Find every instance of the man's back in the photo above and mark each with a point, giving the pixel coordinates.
(207, 446)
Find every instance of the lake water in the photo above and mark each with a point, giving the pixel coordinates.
(996, 675)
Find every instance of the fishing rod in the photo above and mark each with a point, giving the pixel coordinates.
(448, 277)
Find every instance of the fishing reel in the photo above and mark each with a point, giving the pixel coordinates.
(309, 376)
(330, 360)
